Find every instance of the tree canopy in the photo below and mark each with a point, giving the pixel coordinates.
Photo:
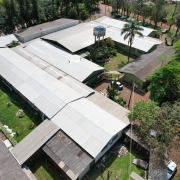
(164, 120)
(130, 30)
(165, 82)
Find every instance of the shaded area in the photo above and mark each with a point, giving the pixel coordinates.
(43, 169)
(118, 167)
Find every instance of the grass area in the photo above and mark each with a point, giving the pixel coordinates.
(118, 166)
(8, 115)
(117, 62)
(43, 169)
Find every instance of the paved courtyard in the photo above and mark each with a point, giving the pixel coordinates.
(125, 93)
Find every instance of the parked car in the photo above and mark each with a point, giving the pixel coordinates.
(117, 15)
(124, 17)
(171, 169)
(145, 24)
(130, 19)
(118, 85)
(165, 31)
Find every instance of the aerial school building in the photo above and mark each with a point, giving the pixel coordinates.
(89, 122)
(80, 125)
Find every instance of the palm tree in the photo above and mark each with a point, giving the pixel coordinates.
(130, 30)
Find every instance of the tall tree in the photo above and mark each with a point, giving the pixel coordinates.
(165, 83)
(158, 12)
(164, 120)
(130, 30)
(35, 9)
(177, 24)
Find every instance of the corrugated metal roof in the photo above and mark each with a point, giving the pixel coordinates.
(31, 143)
(55, 72)
(41, 89)
(110, 107)
(5, 40)
(88, 125)
(81, 36)
(73, 65)
(46, 26)
(67, 154)
(145, 65)
(9, 168)
(120, 24)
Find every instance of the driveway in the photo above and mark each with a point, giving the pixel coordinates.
(125, 93)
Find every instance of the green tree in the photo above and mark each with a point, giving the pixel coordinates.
(35, 10)
(176, 55)
(164, 120)
(14, 44)
(165, 83)
(112, 91)
(130, 30)
(83, 15)
(177, 24)
(110, 42)
(158, 12)
(73, 13)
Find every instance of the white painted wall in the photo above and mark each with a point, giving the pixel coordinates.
(108, 147)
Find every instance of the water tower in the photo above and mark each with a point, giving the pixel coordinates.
(98, 32)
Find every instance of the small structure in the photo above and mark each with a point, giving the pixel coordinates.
(143, 66)
(98, 32)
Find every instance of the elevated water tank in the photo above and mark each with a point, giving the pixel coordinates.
(99, 31)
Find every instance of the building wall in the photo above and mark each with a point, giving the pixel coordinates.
(114, 139)
(124, 48)
(45, 32)
(84, 172)
(132, 78)
(152, 34)
(152, 49)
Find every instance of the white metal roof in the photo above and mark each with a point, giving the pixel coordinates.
(81, 36)
(31, 143)
(44, 91)
(5, 40)
(55, 72)
(120, 24)
(73, 65)
(88, 125)
(142, 43)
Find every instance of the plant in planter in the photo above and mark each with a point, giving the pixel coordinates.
(31, 126)
(9, 104)
(21, 114)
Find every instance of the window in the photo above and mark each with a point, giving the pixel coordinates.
(123, 46)
(133, 50)
(140, 52)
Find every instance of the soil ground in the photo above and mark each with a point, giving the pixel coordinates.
(2, 136)
(125, 93)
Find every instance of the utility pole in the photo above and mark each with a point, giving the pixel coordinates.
(132, 90)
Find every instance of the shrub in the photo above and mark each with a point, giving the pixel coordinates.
(31, 126)
(9, 104)
(122, 104)
(124, 101)
(21, 115)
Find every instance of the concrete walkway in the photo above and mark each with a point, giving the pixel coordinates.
(135, 176)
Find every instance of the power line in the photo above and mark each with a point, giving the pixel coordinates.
(133, 84)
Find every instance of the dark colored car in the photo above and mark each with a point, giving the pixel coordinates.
(117, 15)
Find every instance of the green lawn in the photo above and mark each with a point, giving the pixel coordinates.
(118, 166)
(8, 115)
(117, 62)
(43, 169)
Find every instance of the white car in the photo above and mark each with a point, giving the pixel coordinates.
(118, 84)
(171, 169)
